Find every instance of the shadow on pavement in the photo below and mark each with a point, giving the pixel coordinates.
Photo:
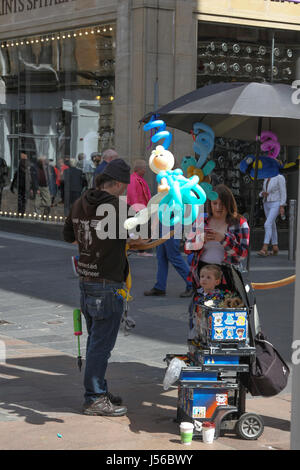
(44, 389)
(276, 423)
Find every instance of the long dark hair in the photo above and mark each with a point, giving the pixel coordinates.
(229, 202)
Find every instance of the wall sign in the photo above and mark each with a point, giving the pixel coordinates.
(9, 7)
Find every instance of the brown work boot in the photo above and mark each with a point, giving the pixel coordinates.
(103, 407)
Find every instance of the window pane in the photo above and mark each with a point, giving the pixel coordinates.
(57, 100)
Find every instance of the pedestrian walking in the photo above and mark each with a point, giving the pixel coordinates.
(88, 170)
(53, 179)
(62, 166)
(3, 177)
(169, 252)
(138, 192)
(80, 161)
(108, 156)
(23, 180)
(274, 201)
(43, 197)
(74, 183)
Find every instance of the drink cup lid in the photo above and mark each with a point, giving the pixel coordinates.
(186, 425)
(208, 424)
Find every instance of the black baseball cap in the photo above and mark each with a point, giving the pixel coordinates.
(118, 170)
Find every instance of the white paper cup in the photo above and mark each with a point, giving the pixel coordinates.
(208, 432)
(186, 433)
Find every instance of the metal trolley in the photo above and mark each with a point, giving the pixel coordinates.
(211, 384)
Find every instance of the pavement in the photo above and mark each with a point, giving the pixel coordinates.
(41, 387)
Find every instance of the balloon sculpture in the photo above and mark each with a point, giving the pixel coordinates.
(268, 166)
(291, 167)
(174, 189)
(204, 138)
(270, 144)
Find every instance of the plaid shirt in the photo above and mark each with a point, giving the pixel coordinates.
(235, 245)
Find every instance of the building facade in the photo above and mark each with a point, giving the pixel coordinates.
(78, 75)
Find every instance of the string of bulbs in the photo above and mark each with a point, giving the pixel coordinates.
(62, 35)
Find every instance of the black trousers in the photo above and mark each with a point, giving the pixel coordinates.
(21, 202)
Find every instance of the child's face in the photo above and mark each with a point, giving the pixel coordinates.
(208, 279)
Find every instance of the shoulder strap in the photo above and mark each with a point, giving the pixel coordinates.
(257, 326)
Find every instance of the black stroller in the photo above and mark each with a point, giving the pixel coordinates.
(211, 383)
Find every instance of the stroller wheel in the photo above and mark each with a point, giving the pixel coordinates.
(250, 426)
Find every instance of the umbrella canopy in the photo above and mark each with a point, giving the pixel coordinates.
(233, 110)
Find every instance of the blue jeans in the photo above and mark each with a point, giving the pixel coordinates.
(102, 309)
(169, 252)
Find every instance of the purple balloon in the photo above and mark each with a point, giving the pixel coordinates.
(270, 144)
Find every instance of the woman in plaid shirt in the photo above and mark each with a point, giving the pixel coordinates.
(222, 237)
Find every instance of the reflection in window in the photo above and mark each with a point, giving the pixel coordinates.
(56, 100)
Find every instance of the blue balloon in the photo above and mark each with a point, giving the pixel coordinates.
(182, 191)
(267, 167)
(204, 142)
(161, 134)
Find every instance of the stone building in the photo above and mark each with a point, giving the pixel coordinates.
(78, 75)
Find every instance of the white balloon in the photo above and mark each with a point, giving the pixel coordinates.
(144, 215)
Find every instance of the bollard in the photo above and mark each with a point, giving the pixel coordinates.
(292, 229)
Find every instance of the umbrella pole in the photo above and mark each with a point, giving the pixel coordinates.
(254, 191)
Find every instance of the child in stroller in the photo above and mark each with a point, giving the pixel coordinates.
(209, 295)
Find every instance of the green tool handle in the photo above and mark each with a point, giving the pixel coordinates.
(77, 322)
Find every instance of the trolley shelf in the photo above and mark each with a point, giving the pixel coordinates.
(225, 367)
(219, 384)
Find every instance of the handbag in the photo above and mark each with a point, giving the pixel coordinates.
(268, 373)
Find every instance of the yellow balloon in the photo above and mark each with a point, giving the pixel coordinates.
(192, 170)
(260, 165)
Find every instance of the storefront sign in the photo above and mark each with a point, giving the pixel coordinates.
(9, 7)
(283, 1)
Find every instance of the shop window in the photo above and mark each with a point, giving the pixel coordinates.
(57, 103)
(229, 53)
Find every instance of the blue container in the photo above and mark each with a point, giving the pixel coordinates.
(221, 360)
(201, 403)
(193, 374)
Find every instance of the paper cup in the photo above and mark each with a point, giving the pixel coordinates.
(186, 433)
(208, 432)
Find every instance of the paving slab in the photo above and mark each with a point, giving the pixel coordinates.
(41, 398)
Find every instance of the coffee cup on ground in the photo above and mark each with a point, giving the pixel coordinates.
(208, 432)
(186, 433)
